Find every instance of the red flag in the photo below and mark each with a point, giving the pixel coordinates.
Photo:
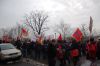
(6, 38)
(91, 24)
(77, 35)
(24, 32)
(40, 41)
(60, 37)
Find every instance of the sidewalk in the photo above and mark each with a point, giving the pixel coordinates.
(86, 62)
(83, 62)
(33, 62)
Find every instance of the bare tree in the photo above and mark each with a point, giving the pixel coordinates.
(11, 32)
(2, 32)
(15, 31)
(63, 28)
(94, 32)
(84, 29)
(37, 22)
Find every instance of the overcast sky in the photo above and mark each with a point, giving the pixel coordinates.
(73, 12)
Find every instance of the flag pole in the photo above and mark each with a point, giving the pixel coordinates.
(55, 36)
(89, 37)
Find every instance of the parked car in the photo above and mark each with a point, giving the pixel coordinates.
(8, 52)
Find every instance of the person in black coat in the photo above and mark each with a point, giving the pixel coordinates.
(75, 52)
(51, 53)
(18, 44)
(38, 48)
(45, 49)
(98, 49)
(0, 41)
(24, 49)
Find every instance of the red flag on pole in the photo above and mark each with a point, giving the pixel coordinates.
(91, 24)
(77, 35)
(24, 32)
(60, 37)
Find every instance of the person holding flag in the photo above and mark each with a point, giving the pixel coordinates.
(52, 53)
(91, 45)
(75, 48)
(91, 49)
(60, 51)
(38, 47)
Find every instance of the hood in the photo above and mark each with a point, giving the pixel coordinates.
(10, 51)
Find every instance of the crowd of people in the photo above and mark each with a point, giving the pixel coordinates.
(60, 50)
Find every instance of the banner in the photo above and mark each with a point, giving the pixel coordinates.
(77, 35)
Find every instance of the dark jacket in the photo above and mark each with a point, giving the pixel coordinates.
(51, 51)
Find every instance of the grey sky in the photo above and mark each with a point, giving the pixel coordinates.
(74, 12)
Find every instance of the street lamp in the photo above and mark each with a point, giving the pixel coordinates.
(55, 36)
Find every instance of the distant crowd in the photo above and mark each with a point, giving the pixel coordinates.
(60, 50)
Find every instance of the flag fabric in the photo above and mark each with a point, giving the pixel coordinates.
(91, 24)
(60, 37)
(24, 32)
(77, 35)
(40, 40)
(6, 38)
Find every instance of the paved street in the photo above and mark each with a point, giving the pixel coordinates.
(16, 64)
(24, 62)
(87, 63)
(29, 62)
